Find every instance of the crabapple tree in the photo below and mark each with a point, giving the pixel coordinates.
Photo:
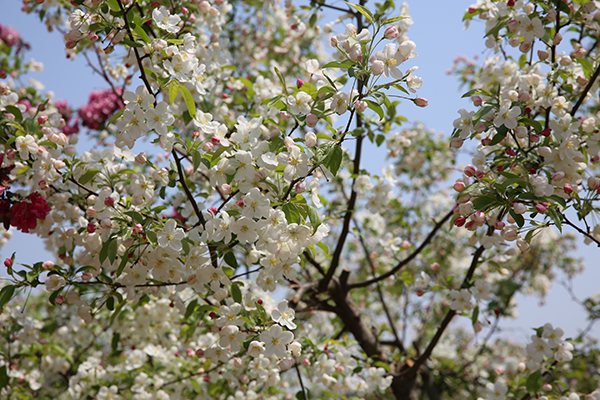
(216, 231)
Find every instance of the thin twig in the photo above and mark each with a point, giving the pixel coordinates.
(408, 259)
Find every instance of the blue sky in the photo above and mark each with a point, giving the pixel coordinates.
(440, 37)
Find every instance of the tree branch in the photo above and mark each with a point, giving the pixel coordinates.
(408, 259)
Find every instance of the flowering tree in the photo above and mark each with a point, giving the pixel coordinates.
(222, 240)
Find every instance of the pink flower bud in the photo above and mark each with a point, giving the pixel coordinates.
(456, 143)
(285, 115)
(421, 102)
(513, 25)
(514, 41)
(288, 142)
(91, 228)
(59, 300)
(42, 119)
(534, 138)
(207, 147)
(391, 33)
(310, 139)
(551, 15)
(300, 187)
(541, 208)
(567, 188)
(141, 158)
(333, 41)
(471, 226)
(479, 217)
(459, 186)
(470, 170)
(477, 327)
(47, 265)
(558, 176)
(185, 11)
(546, 132)
(524, 47)
(138, 228)
(106, 223)
(43, 185)
(59, 164)
(519, 208)
(299, 83)
(306, 362)
(8, 262)
(509, 233)
(435, 266)
(557, 39)
(477, 100)
(460, 221)
(472, 10)
(542, 55)
(546, 387)
(215, 140)
(86, 276)
(360, 105)
(109, 201)
(311, 120)
(377, 67)
(70, 44)
(486, 141)
(225, 189)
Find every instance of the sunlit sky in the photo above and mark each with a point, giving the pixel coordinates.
(440, 37)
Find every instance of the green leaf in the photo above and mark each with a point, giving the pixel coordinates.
(392, 20)
(333, 160)
(5, 295)
(475, 315)
(376, 107)
(16, 112)
(231, 260)
(281, 80)
(189, 100)
(114, 5)
(533, 123)
(173, 91)
(518, 218)
(114, 344)
(314, 216)
(346, 64)
(379, 97)
(292, 214)
(379, 139)
(112, 250)
(556, 217)
(480, 113)
(363, 10)
(480, 91)
(534, 382)
(3, 377)
(110, 303)
(88, 175)
(116, 116)
(151, 236)
(142, 33)
(131, 43)
(482, 203)
(236, 293)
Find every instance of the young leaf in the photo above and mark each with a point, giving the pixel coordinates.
(363, 10)
(189, 100)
